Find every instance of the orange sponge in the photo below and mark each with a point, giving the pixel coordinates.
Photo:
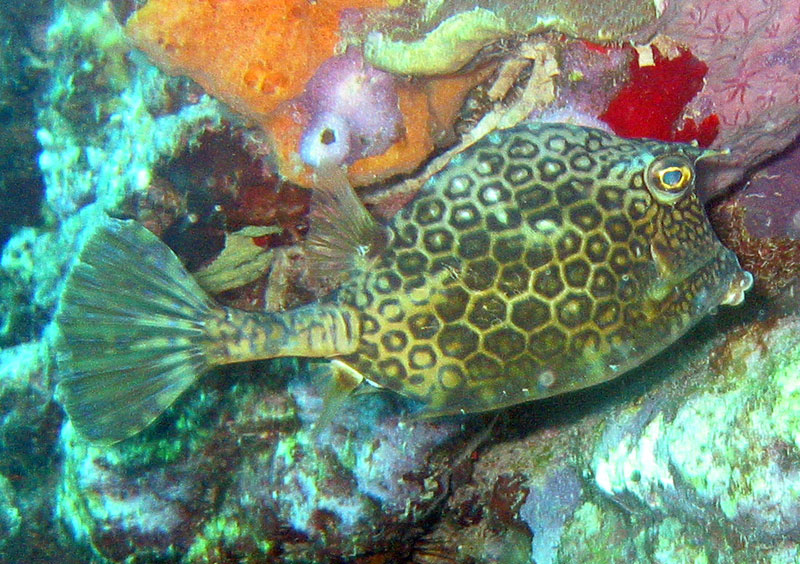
(252, 54)
(286, 125)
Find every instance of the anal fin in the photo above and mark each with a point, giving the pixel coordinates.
(341, 385)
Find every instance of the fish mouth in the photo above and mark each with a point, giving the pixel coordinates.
(742, 281)
(679, 301)
(721, 281)
(710, 280)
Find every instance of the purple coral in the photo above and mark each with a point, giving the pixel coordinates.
(772, 197)
(355, 111)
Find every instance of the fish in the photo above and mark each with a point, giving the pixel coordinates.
(544, 259)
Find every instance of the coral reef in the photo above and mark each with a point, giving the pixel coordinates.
(428, 109)
(272, 490)
(274, 63)
(447, 35)
(97, 119)
(726, 455)
(761, 223)
(588, 81)
(29, 464)
(307, 107)
(21, 73)
(415, 36)
(96, 129)
(752, 51)
(692, 458)
(771, 197)
(355, 111)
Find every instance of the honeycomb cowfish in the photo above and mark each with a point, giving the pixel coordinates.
(543, 259)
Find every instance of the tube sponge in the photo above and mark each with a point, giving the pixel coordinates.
(326, 140)
(354, 109)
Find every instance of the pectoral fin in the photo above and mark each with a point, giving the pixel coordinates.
(344, 237)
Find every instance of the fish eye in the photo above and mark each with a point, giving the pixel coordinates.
(669, 177)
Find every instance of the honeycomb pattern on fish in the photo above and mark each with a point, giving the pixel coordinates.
(536, 263)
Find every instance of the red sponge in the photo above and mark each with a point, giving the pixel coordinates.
(651, 103)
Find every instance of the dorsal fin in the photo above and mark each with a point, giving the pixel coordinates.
(343, 237)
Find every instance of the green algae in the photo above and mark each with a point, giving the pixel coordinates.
(674, 546)
(596, 536)
(786, 410)
(286, 449)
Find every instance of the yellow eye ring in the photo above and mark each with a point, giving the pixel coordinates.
(669, 177)
(675, 177)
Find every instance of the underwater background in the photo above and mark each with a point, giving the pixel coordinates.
(204, 120)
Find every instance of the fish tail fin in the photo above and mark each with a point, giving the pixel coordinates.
(133, 332)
